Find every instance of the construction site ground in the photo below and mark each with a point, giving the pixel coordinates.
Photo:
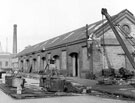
(32, 90)
(111, 91)
(117, 91)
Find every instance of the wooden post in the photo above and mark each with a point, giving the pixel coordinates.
(91, 58)
(89, 44)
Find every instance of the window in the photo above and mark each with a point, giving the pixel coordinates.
(6, 63)
(126, 28)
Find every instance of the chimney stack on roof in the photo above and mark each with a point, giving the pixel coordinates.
(14, 39)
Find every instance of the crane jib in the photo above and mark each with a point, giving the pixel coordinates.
(108, 17)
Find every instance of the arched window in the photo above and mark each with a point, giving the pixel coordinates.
(126, 28)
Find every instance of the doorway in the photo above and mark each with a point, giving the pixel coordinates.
(75, 64)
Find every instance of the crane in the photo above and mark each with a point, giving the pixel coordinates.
(108, 17)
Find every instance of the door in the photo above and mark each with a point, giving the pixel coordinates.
(75, 64)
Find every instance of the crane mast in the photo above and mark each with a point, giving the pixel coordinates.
(108, 17)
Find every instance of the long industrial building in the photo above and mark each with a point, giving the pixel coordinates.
(79, 56)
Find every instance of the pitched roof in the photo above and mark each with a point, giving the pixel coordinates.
(69, 37)
(115, 19)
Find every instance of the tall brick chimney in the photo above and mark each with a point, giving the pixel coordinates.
(14, 39)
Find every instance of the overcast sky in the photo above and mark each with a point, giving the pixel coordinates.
(39, 20)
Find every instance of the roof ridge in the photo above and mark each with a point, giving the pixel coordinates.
(126, 11)
(114, 17)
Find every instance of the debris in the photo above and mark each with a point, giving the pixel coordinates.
(19, 90)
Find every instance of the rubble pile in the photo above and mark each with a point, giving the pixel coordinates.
(121, 76)
(51, 85)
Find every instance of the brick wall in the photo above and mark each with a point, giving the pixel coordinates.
(114, 50)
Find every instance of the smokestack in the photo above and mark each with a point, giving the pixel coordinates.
(14, 39)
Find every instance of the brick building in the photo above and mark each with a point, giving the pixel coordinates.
(5, 60)
(77, 56)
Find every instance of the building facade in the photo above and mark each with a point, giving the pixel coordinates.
(5, 61)
(78, 56)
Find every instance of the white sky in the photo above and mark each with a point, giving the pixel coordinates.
(39, 20)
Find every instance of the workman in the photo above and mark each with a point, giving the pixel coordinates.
(52, 64)
(52, 67)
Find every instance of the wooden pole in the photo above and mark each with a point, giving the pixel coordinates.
(89, 44)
